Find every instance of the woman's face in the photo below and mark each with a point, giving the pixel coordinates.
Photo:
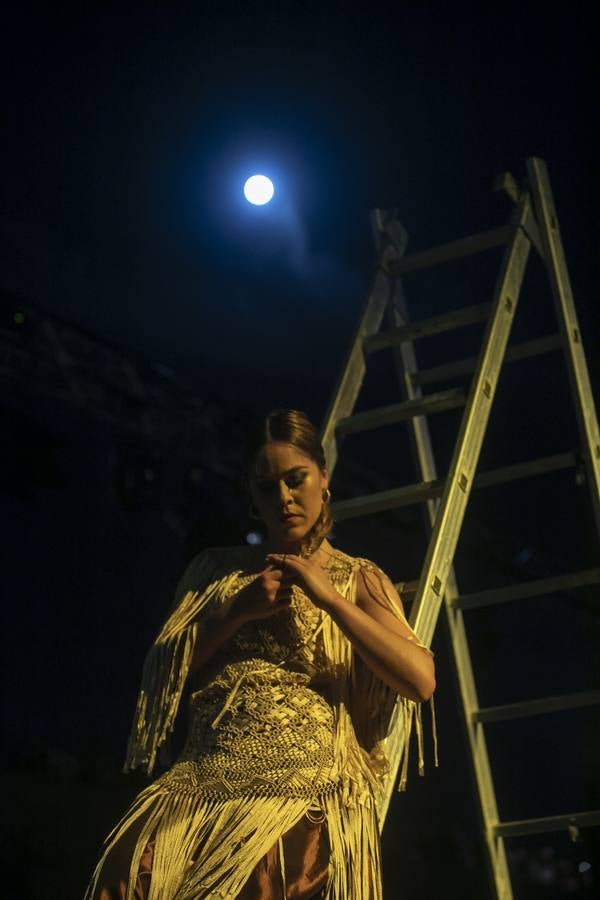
(287, 489)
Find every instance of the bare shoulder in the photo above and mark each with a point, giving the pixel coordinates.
(378, 596)
(374, 587)
(367, 566)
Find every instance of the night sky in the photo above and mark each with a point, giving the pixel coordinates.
(128, 136)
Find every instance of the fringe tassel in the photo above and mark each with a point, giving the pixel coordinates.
(403, 727)
(407, 714)
(391, 736)
(202, 847)
(167, 664)
(355, 860)
(282, 867)
(209, 848)
(434, 730)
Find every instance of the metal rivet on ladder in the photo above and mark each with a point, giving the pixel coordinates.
(575, 335)
(508, 304)
(436, 585)
(553, 223)
(597, 451)
(463, 482)
(487, 389)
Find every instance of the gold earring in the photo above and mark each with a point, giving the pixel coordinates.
(326, 495)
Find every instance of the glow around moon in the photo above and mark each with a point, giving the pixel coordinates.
(258, 190)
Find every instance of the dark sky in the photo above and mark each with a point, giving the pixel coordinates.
(128, 135)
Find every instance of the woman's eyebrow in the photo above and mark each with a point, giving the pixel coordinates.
(283, 474)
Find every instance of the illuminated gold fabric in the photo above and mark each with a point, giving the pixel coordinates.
(287, 721)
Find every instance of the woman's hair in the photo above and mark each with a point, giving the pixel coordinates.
(293, 427)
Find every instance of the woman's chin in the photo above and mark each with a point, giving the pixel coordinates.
(291, 533)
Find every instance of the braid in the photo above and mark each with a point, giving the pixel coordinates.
(319, 531)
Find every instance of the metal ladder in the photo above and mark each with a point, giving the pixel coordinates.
(533, 221)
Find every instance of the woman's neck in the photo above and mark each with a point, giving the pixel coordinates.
(324, 550)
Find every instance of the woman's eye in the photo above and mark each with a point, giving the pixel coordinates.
(294, 481)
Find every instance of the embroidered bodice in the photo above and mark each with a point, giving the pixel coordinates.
(293, 637)
(263, 721)
(286, 708)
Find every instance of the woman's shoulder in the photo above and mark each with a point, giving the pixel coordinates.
(357, 562)
(207, 565)
(345, 564)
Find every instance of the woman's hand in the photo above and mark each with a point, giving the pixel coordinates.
(269, 594)
(308, 574)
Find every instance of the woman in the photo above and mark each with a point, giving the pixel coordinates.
(295, 654)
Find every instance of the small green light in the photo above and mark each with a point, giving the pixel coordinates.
(19, 318)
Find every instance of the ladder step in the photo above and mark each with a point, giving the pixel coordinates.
(399, 412)
(407, 589)
(518, 471)
(536, 707)
(586, 819)
(395, 498)
(468, 246)
(386, 500)
(458, 318)
(528, 589)
(524, 350)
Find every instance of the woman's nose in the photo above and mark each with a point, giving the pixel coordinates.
(285, 493)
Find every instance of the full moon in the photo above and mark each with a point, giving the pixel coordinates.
(258, 190)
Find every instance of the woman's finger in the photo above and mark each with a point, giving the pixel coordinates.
(287, 560)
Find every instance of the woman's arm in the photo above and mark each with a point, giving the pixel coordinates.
(383, 642)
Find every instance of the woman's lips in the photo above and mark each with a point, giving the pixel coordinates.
(289, 518)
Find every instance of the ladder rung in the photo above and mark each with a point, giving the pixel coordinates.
(586, 819)
(458, 318)
(518, 471)
(395, 498)
(399, 412)
(407, 589)
(474, 243)
(528, 589)
(386, 500)
(464, 366)
(535, 707)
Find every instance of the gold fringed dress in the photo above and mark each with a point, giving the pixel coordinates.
(276, 792)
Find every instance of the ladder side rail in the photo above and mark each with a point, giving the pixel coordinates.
(474, 422)
(405, 360)
(435, 584)
(579, 379)
(353, 373)
(406, 367)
